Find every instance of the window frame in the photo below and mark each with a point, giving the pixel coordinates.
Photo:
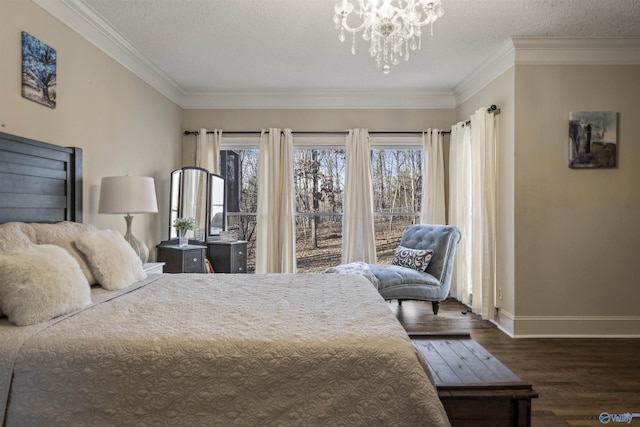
(329, 141)
(321, 141)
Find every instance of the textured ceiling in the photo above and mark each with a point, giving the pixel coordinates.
(249, 46)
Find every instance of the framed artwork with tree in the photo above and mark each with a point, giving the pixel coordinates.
(39, 71)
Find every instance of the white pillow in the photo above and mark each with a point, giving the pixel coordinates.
(70, 247)
(111, 259)
(40, 282)
(64, 230)
(63, 234)
(12, 236)
(15, 235)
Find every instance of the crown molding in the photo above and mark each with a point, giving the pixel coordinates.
(84, 21)
(490, 69)
(548, 51)
(517, 51)
(320, 100)
(576, 51)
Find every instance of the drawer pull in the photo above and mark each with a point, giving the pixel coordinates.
(239, 252)
(195, 259)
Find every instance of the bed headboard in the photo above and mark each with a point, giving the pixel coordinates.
(39, 182)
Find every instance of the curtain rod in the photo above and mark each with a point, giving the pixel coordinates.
(311, 132)
(492, 110)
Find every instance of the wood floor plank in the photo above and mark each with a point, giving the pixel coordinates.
(493, 369)
(576, 379)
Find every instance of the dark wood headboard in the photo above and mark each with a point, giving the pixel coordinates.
(39, 182)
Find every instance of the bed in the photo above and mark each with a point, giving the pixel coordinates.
(201, 349)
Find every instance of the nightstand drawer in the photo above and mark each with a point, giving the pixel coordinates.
(238, 251)
(193, 261)
(239, 266)
(228, 257)
(182, 259)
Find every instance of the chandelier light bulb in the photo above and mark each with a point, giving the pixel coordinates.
(392, 27)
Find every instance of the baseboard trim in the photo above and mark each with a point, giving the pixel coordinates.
(568, 326)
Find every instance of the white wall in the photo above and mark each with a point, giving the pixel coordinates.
(576, 231)
(566, 238)
(122, 124)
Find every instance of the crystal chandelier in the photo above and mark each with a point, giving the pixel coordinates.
(393, 30)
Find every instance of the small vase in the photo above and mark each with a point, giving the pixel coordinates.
(183, 240)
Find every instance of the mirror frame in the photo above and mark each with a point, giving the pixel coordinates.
(213, 176)
(173, 235)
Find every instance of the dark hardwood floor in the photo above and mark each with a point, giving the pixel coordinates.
(576, 379)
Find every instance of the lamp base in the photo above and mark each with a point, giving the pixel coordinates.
(138, 247)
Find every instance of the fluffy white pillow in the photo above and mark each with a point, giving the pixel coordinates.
(13, 236)
(63, 230)
(111, 259)
(69, 246)
(63, 234)
(40, 282)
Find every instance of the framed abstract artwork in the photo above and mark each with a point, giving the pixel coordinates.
(593, 139)
(39, 71)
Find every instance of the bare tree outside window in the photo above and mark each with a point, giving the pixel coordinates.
(397, 185)
(244, 220)
(319, 175)
(319, 184)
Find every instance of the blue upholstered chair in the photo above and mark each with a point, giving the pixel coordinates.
(405, 283)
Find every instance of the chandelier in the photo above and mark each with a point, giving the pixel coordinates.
(393, 30)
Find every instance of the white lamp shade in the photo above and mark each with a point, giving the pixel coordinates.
(127, 195)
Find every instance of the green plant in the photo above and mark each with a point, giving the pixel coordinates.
(184, 224)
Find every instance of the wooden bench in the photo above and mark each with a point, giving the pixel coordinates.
(475, 388)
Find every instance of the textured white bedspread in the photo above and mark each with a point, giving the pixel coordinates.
(218, 350)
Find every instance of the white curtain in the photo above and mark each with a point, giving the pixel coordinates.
(208, 150)
(473, 210)
(433, 210)
(484, 204)
(460, 208)
(275, 231)
(358, 235)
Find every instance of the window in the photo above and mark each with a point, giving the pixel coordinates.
(397, 188)
(319, 184)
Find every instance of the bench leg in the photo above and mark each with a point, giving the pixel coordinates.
(400, 301)
(435, 305)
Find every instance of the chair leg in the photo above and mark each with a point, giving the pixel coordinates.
(435, 305)
(400, 301)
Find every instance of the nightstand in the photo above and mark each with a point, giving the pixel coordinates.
(153, 267)
(182, 259)
(228, 257)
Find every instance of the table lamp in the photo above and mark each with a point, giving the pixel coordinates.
(129, 195)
